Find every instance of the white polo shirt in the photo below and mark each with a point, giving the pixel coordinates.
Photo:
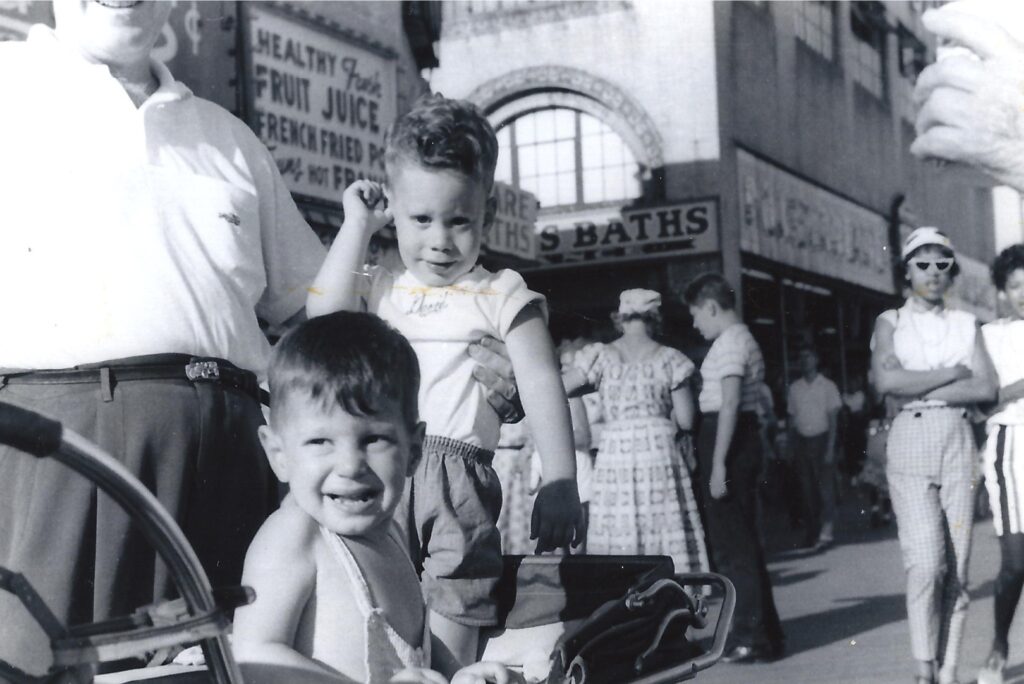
(811, 403)
(130, 231)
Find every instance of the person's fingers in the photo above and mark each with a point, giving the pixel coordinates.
(961, 73)
(945, 107)
(942, 142)
(981, 35)
(491, 353)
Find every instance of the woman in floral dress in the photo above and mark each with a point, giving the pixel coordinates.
(642, 499)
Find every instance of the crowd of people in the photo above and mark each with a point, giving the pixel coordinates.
(177, 235)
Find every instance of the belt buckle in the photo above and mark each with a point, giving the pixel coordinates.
(202, 370)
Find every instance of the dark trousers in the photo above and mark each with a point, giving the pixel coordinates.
(731, 526)
(817, 480)
(194, 445)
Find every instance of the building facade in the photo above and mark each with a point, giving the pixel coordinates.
(766, 140)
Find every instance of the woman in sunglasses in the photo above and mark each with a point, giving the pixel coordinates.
(933, 360)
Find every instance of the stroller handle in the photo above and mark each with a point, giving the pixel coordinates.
(43, 437)
(690, 668)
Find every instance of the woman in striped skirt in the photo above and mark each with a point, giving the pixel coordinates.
(933, 360)
(1004, 451)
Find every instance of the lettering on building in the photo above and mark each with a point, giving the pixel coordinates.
(600, 235)
(320, 103)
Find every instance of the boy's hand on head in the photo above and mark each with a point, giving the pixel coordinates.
(555, 522)
(487, 673)
(365, 205)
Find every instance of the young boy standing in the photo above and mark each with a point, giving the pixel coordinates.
(337, 597)
(440, 161)
(729, 457)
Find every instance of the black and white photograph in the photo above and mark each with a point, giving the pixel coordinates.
(738, 396)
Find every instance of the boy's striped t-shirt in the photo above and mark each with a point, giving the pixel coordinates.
(734, 353)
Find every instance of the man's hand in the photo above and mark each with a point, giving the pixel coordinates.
(717, 484)
(971, 107)
(364, 205)
(555, 522)
(493, 370)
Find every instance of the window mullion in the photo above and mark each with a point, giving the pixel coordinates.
(513, 147)
(578, 153)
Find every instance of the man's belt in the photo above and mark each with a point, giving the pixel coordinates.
(181, 367)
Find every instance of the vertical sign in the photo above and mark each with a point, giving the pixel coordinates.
(514, 230)
(320, 101)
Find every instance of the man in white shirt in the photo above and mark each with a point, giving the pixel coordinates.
(144, 230)
(814, 405)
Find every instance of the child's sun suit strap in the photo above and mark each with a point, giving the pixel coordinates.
(386, 651)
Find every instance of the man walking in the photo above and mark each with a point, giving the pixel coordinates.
(814, 404)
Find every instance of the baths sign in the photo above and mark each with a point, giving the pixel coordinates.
(630, 233)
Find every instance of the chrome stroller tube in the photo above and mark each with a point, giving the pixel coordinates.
(42, 437)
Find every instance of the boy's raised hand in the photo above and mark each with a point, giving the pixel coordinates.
(365, 205)
(555, 522)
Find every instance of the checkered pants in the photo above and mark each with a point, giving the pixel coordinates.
(931, 456)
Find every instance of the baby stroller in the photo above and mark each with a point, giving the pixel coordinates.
(643, 636)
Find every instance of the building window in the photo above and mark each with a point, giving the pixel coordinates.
(566, 157)
(913, 56)
(867, 19)
(815, 27)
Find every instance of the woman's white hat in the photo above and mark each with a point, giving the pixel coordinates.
(926, 235)
(639, 301)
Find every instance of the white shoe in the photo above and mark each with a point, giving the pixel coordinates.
(992, 672)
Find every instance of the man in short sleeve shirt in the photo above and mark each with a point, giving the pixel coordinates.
(814, 404)
(144, 230)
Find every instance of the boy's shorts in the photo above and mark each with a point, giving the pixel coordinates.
(455, 501)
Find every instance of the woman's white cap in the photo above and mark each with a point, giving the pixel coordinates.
(926, 235)
(639, 301)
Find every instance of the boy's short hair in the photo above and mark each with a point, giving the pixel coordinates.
(440, 133)
(710, 286)
(1008, 261)
(349, 359)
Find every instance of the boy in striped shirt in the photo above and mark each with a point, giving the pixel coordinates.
(729, 457)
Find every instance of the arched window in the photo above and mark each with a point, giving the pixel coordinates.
(566, 158)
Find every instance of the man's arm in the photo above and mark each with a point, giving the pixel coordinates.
(493, 371)
(728, 414)
(830, 442)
